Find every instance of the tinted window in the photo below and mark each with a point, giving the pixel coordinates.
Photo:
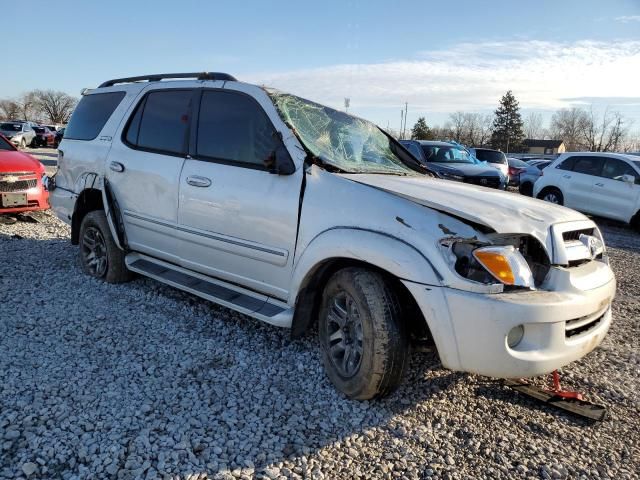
(39, 129)
(233, 127)
(4, 145)
(567, 164)
(491, 156)
(542, 165)
(413, 148)
(11, 127)
(91, 114)
(161, 121)
(445, 154)
(615, 169)
(588, 165)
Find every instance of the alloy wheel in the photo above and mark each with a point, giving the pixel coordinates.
(344, 337)
(94, 251)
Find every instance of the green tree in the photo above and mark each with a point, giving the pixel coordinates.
(421, 131)
(507, 125)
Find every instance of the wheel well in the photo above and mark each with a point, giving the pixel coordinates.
(89, 200)
(546, 189)
(635, 221)
(310, 296)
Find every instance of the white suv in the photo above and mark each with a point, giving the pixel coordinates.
(603, 184)
(297, 214)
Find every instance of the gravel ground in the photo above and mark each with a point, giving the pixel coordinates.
(143, 381)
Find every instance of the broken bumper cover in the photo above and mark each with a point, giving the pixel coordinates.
(63, 203)
(559, 327)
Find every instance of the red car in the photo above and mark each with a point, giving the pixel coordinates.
(21, 181)
(44, 137)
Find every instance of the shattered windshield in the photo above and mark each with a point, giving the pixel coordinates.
(345, 142)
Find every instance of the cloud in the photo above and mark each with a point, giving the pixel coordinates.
(628, 18)
(473, 76)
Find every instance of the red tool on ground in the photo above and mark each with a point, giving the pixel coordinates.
(573, 402)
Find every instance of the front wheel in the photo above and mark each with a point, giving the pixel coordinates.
(100, 257)
(365, 346)
(526, 189)
(551, 195)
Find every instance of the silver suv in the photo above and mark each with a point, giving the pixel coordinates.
(297, 214)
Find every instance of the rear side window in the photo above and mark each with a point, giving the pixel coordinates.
(232, 127)
(160, 122)
(91, 114)
(491, 156)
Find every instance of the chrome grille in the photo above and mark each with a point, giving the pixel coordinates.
(17, 186)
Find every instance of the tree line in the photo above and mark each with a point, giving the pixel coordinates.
(581, 129)
(40, 106)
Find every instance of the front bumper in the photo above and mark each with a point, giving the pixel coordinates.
(37, 199)
(560, 326)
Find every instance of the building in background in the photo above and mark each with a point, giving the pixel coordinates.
(544, 147)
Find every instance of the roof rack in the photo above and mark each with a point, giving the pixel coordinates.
(165, 76)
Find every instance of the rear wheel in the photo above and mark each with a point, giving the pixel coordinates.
(551, 195)
(364, 343)
(526, 188)
(100, 257)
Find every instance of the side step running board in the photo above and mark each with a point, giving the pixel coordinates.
(244, 301)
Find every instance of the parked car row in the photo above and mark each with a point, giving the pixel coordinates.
(25, 134)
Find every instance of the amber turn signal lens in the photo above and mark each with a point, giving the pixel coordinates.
(497, 264)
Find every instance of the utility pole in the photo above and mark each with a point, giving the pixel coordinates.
(401, 121)
(406, 107)
(347, 102)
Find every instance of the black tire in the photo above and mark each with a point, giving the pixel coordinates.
(550, 193)
(100, 257)
(635, 222)
(526, 188)
(381, 338)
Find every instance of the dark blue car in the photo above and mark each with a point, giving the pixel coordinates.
(453, 162)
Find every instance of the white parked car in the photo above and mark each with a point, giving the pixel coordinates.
(603, 184)
(297, 214)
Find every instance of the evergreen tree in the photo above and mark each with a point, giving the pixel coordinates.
(507, 126)
(421, 131)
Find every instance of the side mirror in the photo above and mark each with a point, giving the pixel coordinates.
(280, 162)
(628, 178)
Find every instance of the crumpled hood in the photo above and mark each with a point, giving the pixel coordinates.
(504, 212)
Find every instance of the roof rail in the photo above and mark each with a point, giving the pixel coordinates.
(165, 76)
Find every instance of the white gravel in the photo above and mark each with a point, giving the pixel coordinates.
(143, 381)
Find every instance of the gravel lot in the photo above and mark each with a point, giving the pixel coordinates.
(143, 381)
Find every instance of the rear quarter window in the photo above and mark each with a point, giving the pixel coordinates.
(91, 114)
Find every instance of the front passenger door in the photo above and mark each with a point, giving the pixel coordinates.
(238, 222)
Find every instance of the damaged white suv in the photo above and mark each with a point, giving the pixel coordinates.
(297, 214)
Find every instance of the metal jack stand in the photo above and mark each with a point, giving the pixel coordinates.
(573, 402)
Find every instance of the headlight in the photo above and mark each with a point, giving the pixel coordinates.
(506, 264)
(490, 264)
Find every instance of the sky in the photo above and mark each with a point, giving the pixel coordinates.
(439, 57)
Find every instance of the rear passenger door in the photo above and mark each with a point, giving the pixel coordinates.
(579, 191)
(238, 221)
(143, 169)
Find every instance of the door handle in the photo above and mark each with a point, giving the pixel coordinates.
(197, 181)
(566, 176)
(599, 184)
(116, 166)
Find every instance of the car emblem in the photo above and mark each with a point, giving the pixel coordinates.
(9, 179)
(483, 181)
